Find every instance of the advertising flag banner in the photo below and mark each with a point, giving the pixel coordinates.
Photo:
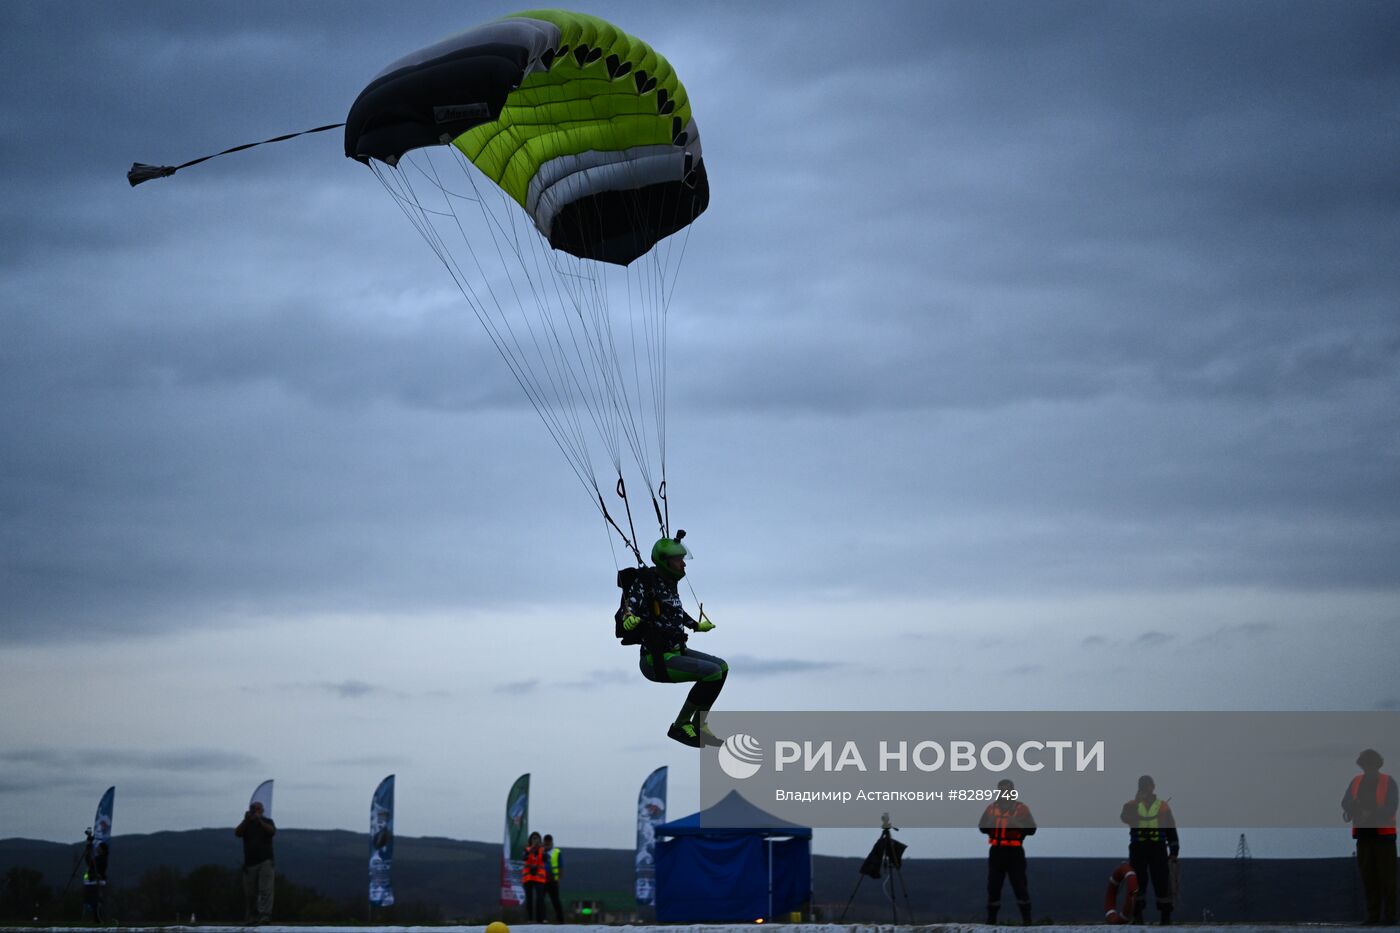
(651, 812)
(263, 795)
(381, 844)
(513, 848)
(102, 822)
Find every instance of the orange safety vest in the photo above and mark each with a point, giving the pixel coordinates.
(1003, 833)
(534, 865)
(1382, 784)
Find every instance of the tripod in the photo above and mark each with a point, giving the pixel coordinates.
(83, 855)
(884, 861)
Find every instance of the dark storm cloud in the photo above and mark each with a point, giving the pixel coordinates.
(1106, 203)
(1112, 283)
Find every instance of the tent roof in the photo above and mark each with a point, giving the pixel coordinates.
(733, 815)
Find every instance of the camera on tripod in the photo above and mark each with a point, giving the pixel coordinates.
(884, 861)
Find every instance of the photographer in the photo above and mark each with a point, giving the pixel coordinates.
(257, 831)
(94, 878)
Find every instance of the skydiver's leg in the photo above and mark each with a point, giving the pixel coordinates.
(713, 672)
(708, 674)
(706, 671)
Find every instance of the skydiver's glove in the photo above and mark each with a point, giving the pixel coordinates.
(704, 625)
(629, 622)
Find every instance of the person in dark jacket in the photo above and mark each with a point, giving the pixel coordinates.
(1153, 847)
(259, 872)
(1369, 805)
(653, 615)
(1007, 822)
(94, 879)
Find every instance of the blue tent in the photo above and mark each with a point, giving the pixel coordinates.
(731, 862)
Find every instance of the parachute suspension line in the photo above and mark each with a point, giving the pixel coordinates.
(587, 298)
(603, 507)
(580, 376)
(614, 383)
(664, 313)
(612, 546)
(564, 401)
(653, 276)
(622, 494)
(418, 217)
(505, 340)
(649, 287)
(578, 291)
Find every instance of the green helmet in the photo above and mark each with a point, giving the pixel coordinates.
(667, 548)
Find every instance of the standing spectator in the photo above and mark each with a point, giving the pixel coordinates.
(1007, 822)
(94, 879)
(1369, 806)
(259, 873)
(533, 877)
(553, 865)
(1153, 847)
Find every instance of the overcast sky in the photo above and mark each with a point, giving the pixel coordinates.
(1029, 356)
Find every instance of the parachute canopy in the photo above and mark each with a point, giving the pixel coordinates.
(584, 126)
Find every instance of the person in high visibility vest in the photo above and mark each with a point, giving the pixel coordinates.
(532, 875)
(1153, 847)
(553, 865)
(1369, 806)
(1007, 822)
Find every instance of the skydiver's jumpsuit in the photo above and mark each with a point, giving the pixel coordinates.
(665, 658)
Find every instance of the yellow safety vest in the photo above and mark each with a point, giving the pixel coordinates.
(1147, 821)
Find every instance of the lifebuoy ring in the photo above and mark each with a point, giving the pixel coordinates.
(1124, 878)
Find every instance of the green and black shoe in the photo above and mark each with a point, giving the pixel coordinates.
(684, 733)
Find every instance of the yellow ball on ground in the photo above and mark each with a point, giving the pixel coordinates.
(496, 926)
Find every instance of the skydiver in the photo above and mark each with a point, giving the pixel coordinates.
(652, 616)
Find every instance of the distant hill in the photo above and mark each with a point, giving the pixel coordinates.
(462, 878)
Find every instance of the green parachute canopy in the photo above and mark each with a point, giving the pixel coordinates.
(584, 126)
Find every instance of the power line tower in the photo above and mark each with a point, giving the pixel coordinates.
(1243, 860)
